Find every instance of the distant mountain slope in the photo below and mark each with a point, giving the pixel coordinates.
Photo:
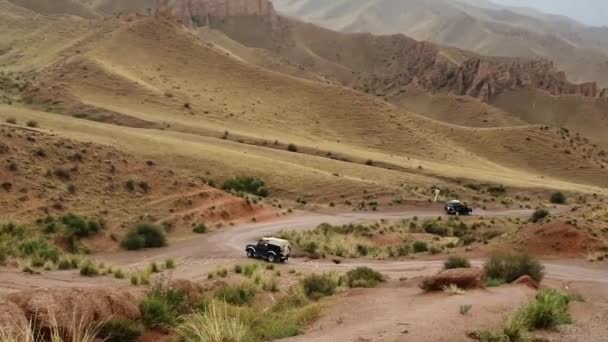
(475, 25)
(447, 84)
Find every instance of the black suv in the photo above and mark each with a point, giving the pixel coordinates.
(457, 208)
(271, 249)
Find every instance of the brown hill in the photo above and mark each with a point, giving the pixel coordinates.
(43, 174)
(436, 81)
(210, 111)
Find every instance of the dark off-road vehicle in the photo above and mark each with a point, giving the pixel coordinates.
(457, 208)
(271, 249)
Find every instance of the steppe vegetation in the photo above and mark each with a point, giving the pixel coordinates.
(389, 240)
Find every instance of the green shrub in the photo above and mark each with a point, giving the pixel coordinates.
(319, 285)
(119, 274)
(133, 241)
(121, 330)
(558, 198)
(292, 148)
(64, 264)
(88, 269)
(144, 235)
(510, 267)
(549, 310)
(162, 306)
(249, 270)
(200, 228)
(169, 264)
(363, 277)
(241, 294)
(153, 268)
(39, 248)
(156, 312)
(539, 214)
(238, 269)
(456, 262)
(433, 227)
(249, 185)
(420, 247)
(214, 325)
(80, 227)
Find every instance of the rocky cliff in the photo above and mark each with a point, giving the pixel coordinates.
(194, 13)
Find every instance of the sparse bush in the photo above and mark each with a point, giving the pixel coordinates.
(200, 228)
(11, 120)
(238, 269)
(144, 235)
(465, 309)
(212, 326)
(319, 285)
(249, 270)
(153, 268)
(509, 268)
(156, 312)
(549, 310)
(292, 148)
(169, 264)
(162, 306)
(250, 185)
(119, 274)
(539, 214)
(420, 247)
(558, 198)
(497, 190)
(32, 124)
(433, 227)
(121, 330)
(241, 294)
(133, 241)
(80, 227)
(130, 185)
(456, 262)
(88, 269)
(363, 277)
(64, 264)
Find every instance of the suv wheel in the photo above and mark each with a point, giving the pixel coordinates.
(271, 257)
(250, 253)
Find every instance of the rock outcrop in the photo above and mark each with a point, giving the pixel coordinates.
(464, 278)
(193, 13)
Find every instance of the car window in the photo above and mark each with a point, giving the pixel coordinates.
(262, 243)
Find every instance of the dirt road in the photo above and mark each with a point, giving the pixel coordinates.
(196, 256)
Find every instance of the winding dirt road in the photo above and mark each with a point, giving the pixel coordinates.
(196, 256)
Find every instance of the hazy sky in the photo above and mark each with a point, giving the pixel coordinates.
(590, 12)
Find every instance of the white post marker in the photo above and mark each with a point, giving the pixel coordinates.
(437, 191)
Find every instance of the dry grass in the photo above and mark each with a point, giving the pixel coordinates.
(77, 330)
(454, 290)
(215, 325)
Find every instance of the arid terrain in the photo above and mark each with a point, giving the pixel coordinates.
(144, 144)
